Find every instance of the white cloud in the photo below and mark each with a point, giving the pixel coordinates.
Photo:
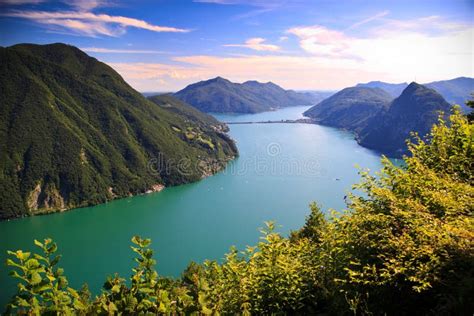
(90, 24)
(403, 49)
(256, 43)
(319, 40)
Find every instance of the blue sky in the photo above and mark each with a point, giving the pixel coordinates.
(165, 45)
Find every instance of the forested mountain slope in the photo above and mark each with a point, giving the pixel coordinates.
(74, 133)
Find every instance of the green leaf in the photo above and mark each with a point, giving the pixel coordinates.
(35, 278)
(116, 288)
(32, 264)
(79, 305)
(55, 260)
(39, 244)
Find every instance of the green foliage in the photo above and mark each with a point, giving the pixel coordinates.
(42, 288)
(405, 246)
(470, 105)
(147, 294)
(314, 226)
(273, 277)
(411, 237)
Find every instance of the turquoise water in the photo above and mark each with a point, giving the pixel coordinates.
(281, 169)
(291, 113)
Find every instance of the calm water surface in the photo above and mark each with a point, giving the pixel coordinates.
(281, 169)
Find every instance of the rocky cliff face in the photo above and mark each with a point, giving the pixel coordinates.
(45, 199)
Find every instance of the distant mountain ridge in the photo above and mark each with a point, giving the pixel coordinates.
(220, 95)
(73, 133)
(350, 108)
(394, 89)
(378, 122)
(455, 91)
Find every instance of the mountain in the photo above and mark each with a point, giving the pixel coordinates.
(220, 95)
(415, 110)
(318, 95)
(350, 108)
(455, 91)
(394, 89)
(73, 133)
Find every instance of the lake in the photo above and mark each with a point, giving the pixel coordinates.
(281, 169)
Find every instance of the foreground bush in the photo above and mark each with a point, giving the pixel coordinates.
(405, 245)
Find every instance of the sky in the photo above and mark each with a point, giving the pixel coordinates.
(303, 45)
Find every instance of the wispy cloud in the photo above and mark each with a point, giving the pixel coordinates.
(256, 43)
(261, 6)
(120, 51)
(87, 5)
(431, 25)
(88, 23)
(369, 19)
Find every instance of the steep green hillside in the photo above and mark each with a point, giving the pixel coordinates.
(74, 133)
(415, 110)
(174, 105)
(350, 108)
(220, 95)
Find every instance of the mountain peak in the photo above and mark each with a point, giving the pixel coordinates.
(416, 90)
(414, 84)
(412, 87)
(218, 79)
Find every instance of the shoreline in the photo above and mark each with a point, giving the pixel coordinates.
(156, 188)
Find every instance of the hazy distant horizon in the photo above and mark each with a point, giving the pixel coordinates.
(298, 90)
